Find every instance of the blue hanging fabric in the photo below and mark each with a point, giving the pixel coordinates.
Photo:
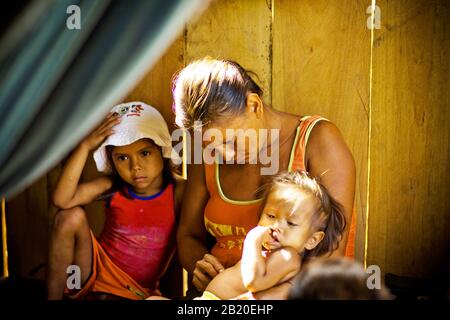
(57, 83)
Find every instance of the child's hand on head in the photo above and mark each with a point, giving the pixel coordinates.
(104, 130)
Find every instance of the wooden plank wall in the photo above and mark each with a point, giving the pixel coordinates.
(313, 57)
(409, 213)
(237, 30)
(321, 52)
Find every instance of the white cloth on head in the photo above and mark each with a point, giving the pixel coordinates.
(139, 121)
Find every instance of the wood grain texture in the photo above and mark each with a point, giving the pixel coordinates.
(237, 30)
(321, 55)
(409, 215)
(156, 86)
(28, 230)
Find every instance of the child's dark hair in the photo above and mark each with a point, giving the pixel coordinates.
(328, 216)
(335, 279)
(121, 186)
(208, 89)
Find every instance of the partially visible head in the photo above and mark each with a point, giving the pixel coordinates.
(212, 91)
(335, 279)
(302, 215)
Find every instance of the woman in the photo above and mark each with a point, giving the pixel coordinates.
(223, 199)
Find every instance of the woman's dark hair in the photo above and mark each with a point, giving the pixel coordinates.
(328, 216)
(121, 186)
(208, 89)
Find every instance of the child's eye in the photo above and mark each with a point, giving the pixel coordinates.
(270, 216)
(122, 158)
(146, 153)
(291, 224)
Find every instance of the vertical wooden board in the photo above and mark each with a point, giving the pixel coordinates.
(28, 229)
(17, 227)
(237, 30)
(321, 63)
(156, 86)
(409, 216)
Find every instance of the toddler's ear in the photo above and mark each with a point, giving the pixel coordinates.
(314, 240)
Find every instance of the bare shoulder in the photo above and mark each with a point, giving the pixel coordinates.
(324, 133)
(178, 180)
(179, 185)
(327, 145)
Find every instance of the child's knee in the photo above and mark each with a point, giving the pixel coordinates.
(70, 220)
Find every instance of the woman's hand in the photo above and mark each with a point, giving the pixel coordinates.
(104, 130)
(205, 270)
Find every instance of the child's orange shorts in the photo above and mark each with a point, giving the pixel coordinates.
(108, 278)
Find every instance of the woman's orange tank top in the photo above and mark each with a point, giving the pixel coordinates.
(229, 220)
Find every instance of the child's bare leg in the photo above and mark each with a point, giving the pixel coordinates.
(70, 243)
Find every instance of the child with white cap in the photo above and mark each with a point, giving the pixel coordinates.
(133, 150)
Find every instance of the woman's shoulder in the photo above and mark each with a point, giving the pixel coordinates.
(327, 145)
(324, 132)
(178, 182)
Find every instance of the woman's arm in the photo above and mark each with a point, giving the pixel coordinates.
(260, 273)
(191, 235)
(69, 193)
(328, 157)
(179, 187)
